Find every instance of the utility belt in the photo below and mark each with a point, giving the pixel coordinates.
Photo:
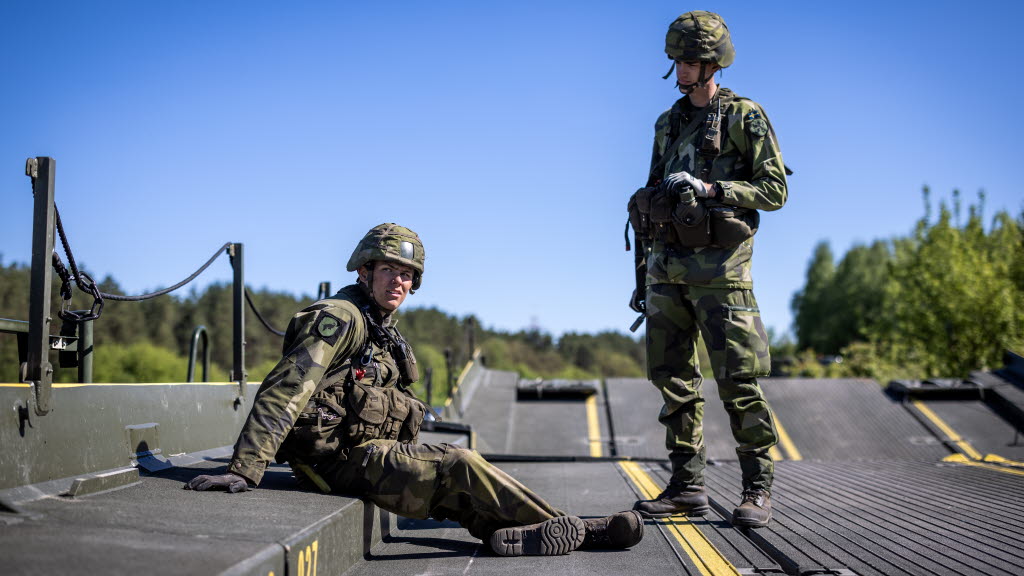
(681, 219)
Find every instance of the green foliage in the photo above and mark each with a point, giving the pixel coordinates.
(943, 301)
(131, 335)
(138, 362)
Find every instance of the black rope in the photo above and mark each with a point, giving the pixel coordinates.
(86, 284)
(248, 298)
(172, 288)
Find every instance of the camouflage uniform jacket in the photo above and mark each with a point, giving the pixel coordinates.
(322, 344)
(749, 171)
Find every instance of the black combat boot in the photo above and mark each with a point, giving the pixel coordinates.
(754, 511)
(677, 498)
(559, 535)
(617, 531)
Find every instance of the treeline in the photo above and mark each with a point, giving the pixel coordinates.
(149, 341)
(943, 301)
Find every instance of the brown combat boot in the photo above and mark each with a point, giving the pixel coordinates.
(554, 537)
(617, 531)
(690, 500)
(754, 511)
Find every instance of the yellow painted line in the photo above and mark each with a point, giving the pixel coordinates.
(593, 427)
(462, 376)
(1000, 460)
(945, 429)
(775, 454)
(787, 442)
(961, 459)
(95, 384)
(708, 560)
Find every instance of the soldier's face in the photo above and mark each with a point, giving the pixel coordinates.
(391, 284)
(689, 72)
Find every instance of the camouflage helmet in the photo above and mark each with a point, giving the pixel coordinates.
(700, 36)
(390, 243)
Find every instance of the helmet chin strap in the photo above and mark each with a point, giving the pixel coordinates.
(701, 82)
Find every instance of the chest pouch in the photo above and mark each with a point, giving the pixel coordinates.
(691, 223)
(374, 413)
(731, 225)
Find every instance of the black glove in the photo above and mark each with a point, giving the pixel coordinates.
(682, 180)
(637, 302)
(231, 482)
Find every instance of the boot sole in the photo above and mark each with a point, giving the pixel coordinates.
(553, 537)
(694, 512)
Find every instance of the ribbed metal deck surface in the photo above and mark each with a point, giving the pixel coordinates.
(861, 489)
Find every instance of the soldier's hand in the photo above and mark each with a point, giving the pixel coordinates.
(637, 303)
(230, 482)
(682, 180)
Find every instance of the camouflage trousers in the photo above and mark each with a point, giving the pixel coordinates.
(436, 480)
(730, 323)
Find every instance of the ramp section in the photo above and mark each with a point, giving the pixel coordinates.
(505, 424)
(973, 427)
(848, 419)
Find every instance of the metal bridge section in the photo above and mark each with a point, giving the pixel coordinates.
(915, 478)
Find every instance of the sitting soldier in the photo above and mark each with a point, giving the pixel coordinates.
(335, 408)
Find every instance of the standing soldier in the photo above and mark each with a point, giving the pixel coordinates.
(336, 408)
(716, 162)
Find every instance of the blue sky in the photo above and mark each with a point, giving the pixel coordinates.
(508, 135)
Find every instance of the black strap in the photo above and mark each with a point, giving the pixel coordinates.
(675, 118)
(711, 137)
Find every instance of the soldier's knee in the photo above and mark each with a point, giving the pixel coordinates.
(456, 458)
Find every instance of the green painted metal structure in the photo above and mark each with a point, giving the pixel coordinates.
(59, 431)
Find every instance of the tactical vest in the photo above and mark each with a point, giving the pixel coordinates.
(362, 398)
(681, 218)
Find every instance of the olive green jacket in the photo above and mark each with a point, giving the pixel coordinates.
(749, 170)
(319, 342)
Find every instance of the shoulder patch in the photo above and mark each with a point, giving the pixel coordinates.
(756, 124)
(328, 327)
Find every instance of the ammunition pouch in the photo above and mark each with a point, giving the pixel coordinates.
(691, 223)
(681, 219)
(731, 225)
(379, 413)
(639, 208)
(345, 416)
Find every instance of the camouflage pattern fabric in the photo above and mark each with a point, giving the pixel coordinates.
(414, 480)
(751, 174)
(318, 340)
(700, 35)
(737, 342)
(437, 480)
(706, 291)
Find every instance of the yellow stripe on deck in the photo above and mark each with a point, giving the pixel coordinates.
(947, 430)
(701, 551)
(787, 443)
(961, 459)
(593, 426)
